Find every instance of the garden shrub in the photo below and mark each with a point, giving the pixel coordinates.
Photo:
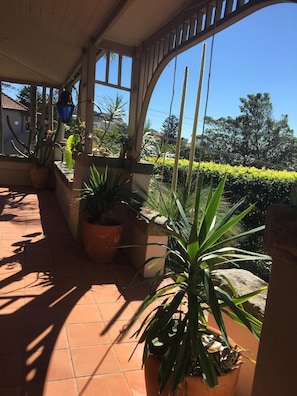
(263, 187)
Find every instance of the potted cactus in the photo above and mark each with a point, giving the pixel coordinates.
(37, 150)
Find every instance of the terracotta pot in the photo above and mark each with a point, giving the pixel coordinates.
(192, 386)
(100, 241)
(39, 176)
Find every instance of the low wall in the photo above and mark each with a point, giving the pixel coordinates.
(144, 230)
(64, 189)
(15, 171)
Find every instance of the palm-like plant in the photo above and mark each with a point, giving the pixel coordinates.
(178, 325)
(101, 194)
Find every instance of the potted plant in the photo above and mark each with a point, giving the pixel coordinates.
(75, 133)
(37, 150)
(127, 147)
(100, 196)
(175, 329)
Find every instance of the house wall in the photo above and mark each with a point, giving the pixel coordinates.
(18, 123)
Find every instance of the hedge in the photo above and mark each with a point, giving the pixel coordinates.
(260, 186)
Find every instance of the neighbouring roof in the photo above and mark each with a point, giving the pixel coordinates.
(11, 104)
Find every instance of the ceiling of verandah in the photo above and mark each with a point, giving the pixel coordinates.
(41, 41)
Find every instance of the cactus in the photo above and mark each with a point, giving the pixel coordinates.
(44, 142)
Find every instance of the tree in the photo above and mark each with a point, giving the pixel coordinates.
(169, 128)
(253, 138)
(24, 97)
(184, 148)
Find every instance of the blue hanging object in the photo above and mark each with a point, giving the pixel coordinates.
(65, 106)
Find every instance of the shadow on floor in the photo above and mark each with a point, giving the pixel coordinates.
(44, 275)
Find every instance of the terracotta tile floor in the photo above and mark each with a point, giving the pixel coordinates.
(61, 314)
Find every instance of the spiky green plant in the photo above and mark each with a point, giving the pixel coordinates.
(103, 192)
(179, 324)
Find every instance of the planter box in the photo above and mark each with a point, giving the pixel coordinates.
(136, 230)
(144, 230)
(64, 191)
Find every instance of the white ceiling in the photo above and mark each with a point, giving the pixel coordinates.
(41, 41)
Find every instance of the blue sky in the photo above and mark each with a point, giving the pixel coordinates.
(257, 54)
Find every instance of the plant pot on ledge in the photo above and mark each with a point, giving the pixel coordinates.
(40, 154)
(100, 196)
(39, 176)
(101, 241)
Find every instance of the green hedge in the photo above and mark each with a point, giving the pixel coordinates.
(260, 186)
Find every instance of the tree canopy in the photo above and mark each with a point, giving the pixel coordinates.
(254, 138)
(24, 97)
(170, 128)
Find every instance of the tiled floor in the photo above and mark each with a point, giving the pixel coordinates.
(61, 314)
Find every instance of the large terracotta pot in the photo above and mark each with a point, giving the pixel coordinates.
(39, 176)
(100, 241)
(192, 386)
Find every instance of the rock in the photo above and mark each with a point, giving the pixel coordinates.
(244, 282)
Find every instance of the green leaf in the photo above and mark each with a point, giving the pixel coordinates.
(236, 310)
(210, 213)
(207, 367)
(181, 359)
(213, 304)
(171, 357)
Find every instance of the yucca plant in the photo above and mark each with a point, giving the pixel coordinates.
(103, 192)
(176, 326)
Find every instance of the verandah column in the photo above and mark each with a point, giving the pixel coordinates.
(87, 89)
(275, 373)
(86, 114)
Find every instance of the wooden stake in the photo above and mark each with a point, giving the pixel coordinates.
(178, 138)
(193, 142)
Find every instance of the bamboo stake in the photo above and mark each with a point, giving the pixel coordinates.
(193, 142)
(178, 138)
